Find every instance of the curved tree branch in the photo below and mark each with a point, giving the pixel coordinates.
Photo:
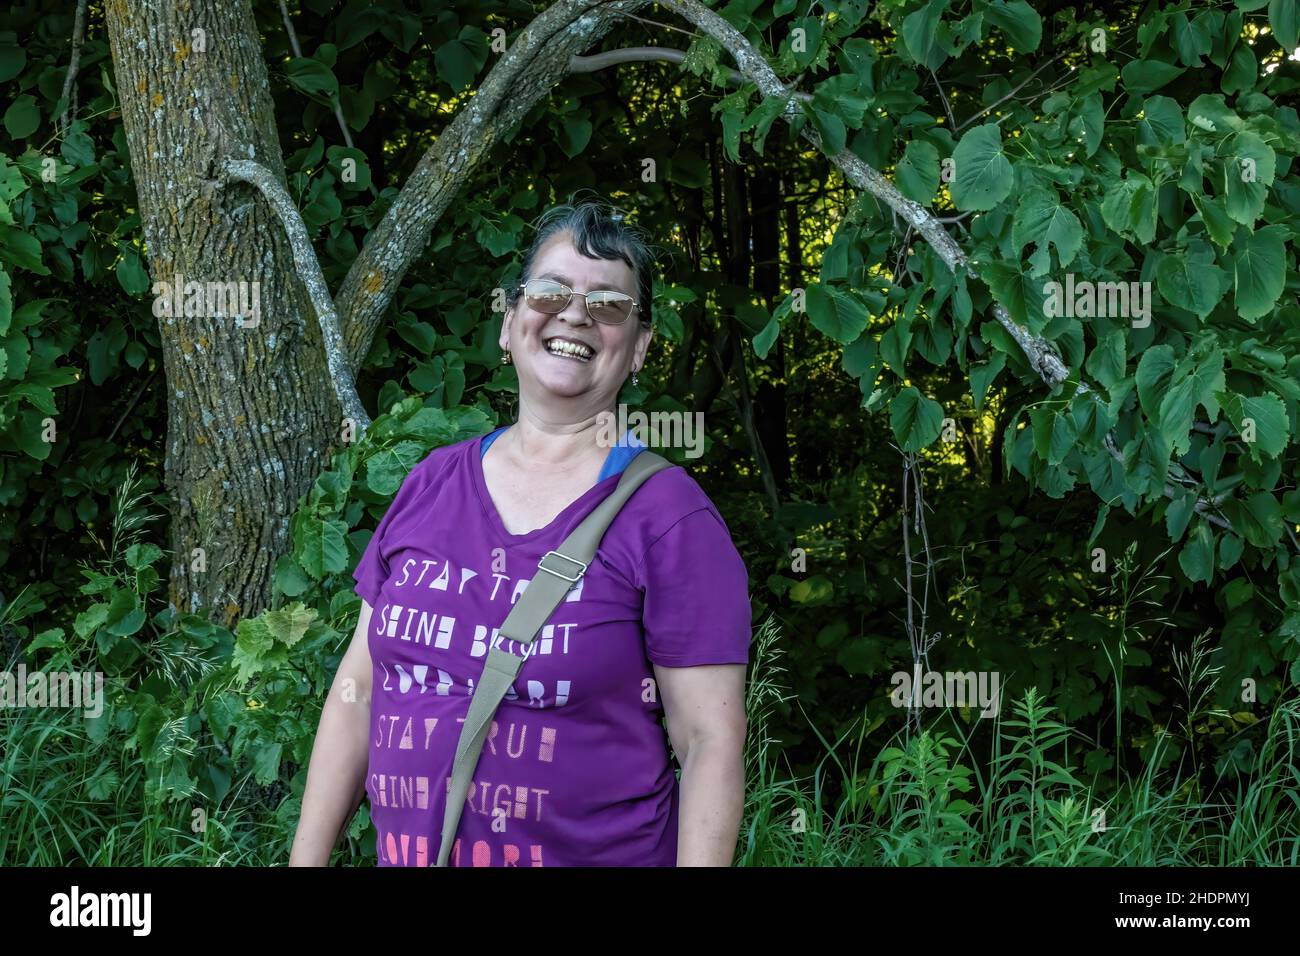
(308, 267)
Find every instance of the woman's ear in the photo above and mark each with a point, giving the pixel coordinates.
(503, 339)
(642, 346)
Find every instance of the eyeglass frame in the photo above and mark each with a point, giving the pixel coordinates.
(585, 301)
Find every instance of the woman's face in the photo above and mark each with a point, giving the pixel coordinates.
(615, 349)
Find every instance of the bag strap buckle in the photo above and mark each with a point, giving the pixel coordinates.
(582, 567)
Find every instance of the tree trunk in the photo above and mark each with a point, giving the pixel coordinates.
(250, 410)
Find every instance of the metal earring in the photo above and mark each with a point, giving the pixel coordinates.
(633, 376)
(506, 358)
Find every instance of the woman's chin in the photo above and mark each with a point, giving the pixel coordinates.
(563, 382)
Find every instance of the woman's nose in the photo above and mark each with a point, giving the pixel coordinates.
(576, 311)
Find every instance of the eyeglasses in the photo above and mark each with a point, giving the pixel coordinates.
(551, 297)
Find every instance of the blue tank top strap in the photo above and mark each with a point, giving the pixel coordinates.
(619, 457)
(489, 439)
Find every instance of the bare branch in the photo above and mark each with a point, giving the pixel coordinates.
(308, 267)
(297, 51)
(998, 102)
(78, 35)
(648, 54)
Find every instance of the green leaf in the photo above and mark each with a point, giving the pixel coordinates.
(1284, 19)
(1218, 224)
(1020, 294)
(1258, 519)
(761, 119)
(1249, 165)
(1260, 420)
(1107, 362)
(577, 134)
(1230, 548)
(765, 339)
(831, 129)
(21, 249)
(983, 174)
(1154, 371)
(12, 57)
(836, 314)
(140, 556)
(917, 175)
(1146, 76)
(915, 419)
(311, 76)
(1208, 112)
(386, 469)
(1130, 208)
(125, 615)
(982, 376)
(1259, 271)
(90, 620)
(22, 117)
(288, 624)
(266, 762)
(1162, 123)
(921, 34)
(1064, 434)
(289, 577)
(1043, 219)
(458, 60)
(1191, 280)
(1092, 117)
(1191, 39)
(131, 275)
(1178, 407)
(77, 147)
(1197, 556)
(1019, 21)
(319, 546)
(1179, 513)
(1242, 71)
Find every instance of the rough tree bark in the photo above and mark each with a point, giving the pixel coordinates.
(250, 410)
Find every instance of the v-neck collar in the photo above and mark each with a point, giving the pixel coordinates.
(494, 517)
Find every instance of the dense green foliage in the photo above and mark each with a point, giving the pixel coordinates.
(1143, 143)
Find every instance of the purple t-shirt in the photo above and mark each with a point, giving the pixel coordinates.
(576, 768)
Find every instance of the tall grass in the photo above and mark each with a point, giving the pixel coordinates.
(931, 800)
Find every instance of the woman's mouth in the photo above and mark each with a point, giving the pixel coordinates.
(567, 348)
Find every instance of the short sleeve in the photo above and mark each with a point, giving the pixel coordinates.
(696, 608)
(372, 570)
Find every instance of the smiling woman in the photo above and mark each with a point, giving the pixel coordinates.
(576, 767)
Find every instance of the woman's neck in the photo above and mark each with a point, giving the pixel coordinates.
(554, 445)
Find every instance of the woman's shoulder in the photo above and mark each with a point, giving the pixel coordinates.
(666, 499)
(673, 540)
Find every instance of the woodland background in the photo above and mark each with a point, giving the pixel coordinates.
(915, 462)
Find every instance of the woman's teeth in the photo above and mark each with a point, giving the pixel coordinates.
(569, 350)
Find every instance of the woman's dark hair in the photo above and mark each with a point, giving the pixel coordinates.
(598, 232)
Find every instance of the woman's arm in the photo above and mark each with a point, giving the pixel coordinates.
(336, 776)
(705, 710)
